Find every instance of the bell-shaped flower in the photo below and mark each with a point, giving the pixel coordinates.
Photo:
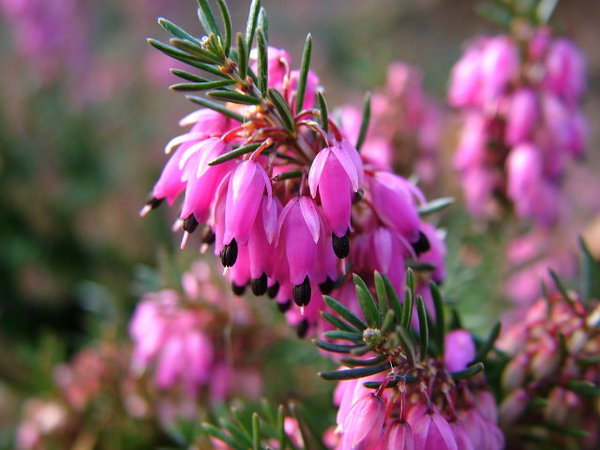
(202, 179)
(465, 79)
(395, 202)
(363, 426)
(565, 70)
(299, 227)
(524, 167)
(336, 173)
(430, 429)
(521, 117)
(399, 437)
(499, 65)
(261, 244)
(247, 186)
(459, 350)
(473, 141)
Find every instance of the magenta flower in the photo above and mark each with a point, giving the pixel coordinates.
(399, 437)
(459, 350)
(247, 185)
(511, 101)
(388, 189)
(363, 426)
(336, 173)
(300, 230)
(171, 339)
(430, 429)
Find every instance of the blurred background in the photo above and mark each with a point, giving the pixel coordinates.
(85, 113)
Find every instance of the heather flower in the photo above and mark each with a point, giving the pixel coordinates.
(285, 215)
(522, 121)
(425, 404)
(551, 346)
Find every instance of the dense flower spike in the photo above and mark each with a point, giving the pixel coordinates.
(176, 337)
(288, 198)
(520, 96)
(554, 349)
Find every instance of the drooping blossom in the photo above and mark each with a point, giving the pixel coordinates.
(290, 216)
(519, 95)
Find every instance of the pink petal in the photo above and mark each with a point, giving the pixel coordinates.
(311, 217)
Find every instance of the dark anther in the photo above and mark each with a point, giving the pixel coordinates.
(229, 254)
(422, 244)
(341, 246)
(302, 328)
(207, 236)
(327, 286)
(302, 293)
(238, 290)
(154, 202)
(259, 285)
(190, 223)
(358, 195)
(285, 306)
(273, 290)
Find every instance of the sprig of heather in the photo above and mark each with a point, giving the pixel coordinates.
(519, 94)
(273, 181)
(551, 381)
(408, 385)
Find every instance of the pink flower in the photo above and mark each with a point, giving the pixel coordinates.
(430, 429)
(522, 116)
(459, 350)
(336, 173)
(202, 180)
(300, 231)
(247, 186)
(565, 70)
(395, 200)
(399, 437)
(171, 339)
(363, 426)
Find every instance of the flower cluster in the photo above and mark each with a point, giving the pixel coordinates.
(410, 384)
(425, 408)
(405, 125)
(179, 339)
(285, 197)
(552, 378)
(520, 97)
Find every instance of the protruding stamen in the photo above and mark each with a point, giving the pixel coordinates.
(259, 285)
(341, 245)
(190, 224)
(229, 254)
(302, 293)
(184, 239)
(151, 204)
